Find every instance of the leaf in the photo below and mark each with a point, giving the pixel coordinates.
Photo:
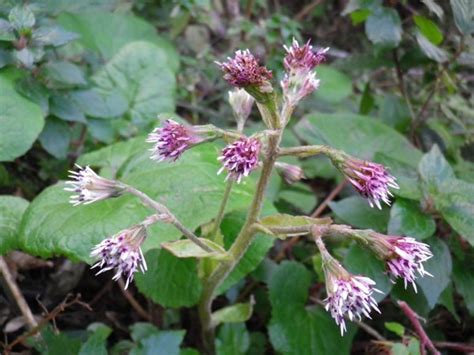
(347, 131)
(232, 339)
(25, 57)
(65, 73)
(394, 112)
(150, 340)
(96, 342)
(170, 281)
(236, 313)
(440, 266)
(463, 277)
(6, 31)
(356, 211)
(98, 104)
(296, 329)
(384, 27)
(361, 261)
(430, 50)
(299, 196)
(434, 7)
(429, 29)
(463, 11)
(407, 219)
(106, 33)
(55, 138)
(140, 74)
(335, 86)
(21, 122)
(53, 344)
(434, 170)
(53, 36)
(11, 211)
(185, 248)
(65, 108)
(51, 226)
(396, 328)
(21, 18)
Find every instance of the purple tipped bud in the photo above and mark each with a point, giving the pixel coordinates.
(300, 80)
(241, 103)
(371, 180)
(290, 173)
(171, 140)
(240, 158)
(90, 187)
(243, 71)
(121, 253)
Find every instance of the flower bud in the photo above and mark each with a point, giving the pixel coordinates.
(290, 173)
(241, 103)
(240, 158)
(122, 253)
(91, 187)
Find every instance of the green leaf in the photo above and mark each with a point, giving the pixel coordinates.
(394, 112)
(96, 342)
(232, 339)
(367, 101)
(153, 341)
(429, 29)
(11, 211)
(463, 11)
(55, 138)
(170, 281)
(431, 51)
(52, 226)
(384, 27)
(65, 73)
(53, 36)
(463, 277)
(99, 104)
(396, 328)
(356, 211)
(65, 108)
(185, 248)
(335, 86)
(295, 328)
(106, 33)
(21, 18)
(347, 131)
(440, 266)
(434, 170)
(236, 313)
(407, 219)
(140, 74)
(299, 196)
(6, 31)
(21, 122)
(361, 261)
(434, 8)
(53, 344)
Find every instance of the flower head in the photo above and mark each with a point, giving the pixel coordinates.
(300, 80)
(290, 173)
(408, 256)
(371, 180)
(171, 140)
(243, 71)
(90, 187)
(240, 158)
(122, 253)
(241, 103)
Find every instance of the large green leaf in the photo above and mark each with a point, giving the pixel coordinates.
(106, 33)
(335, 85)
(232, 339)
(384, 27)
(463, 277)
(296, 329)
(139, 73)
(361, 136)
(407, 219)
(21, 122)
(190, 188)
(11, 211)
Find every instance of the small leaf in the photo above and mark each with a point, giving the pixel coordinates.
(396, 328)
(430, 50)
(185, 248)
(65, 73)
(21, 18)
(384, 27)
(25, 57)
(53, 36)
(297, 197)
(65, 108)
(11, 212)
(464, 15)
(101, 105)
(6, 31)
(96, 342)
(434, 8)
(407, 219)
(429, 29)
(232, 339)
(151, 340)
(55, 138)
(236, 313)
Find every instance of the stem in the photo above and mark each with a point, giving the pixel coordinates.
(306, 151)
(148, 201)
(242, 242)
(220, 214)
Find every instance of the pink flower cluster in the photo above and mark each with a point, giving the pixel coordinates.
(240, 158)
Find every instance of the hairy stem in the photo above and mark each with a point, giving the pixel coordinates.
(220, 214)
(148, 201)
(307, 151)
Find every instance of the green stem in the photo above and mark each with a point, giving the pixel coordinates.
(307, 151)
(220, 214)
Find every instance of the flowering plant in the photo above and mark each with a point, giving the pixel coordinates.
(348, 295)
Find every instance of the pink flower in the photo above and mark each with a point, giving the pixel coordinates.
(371, 180)
(303, 58)
(171, 140)
(90, 187)
(240, 158)
(122, 253)
(243, 70)
(289, 172)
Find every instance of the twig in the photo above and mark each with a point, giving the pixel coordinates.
(17, 295)
(425, 341)
(53, 314)
(465, 348)
(220, 214)
(307, 9)
(133, 302)
(401, 84)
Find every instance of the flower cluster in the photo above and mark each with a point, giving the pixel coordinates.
(241, 103)
(240, 158)
(90, 187)
(289, 172)
(371, 180)
(122, 253)
(244, 71)
(171, 140)
(300, 80)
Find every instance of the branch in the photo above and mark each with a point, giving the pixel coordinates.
(305, 151)
(425, 341)
(133, 302)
